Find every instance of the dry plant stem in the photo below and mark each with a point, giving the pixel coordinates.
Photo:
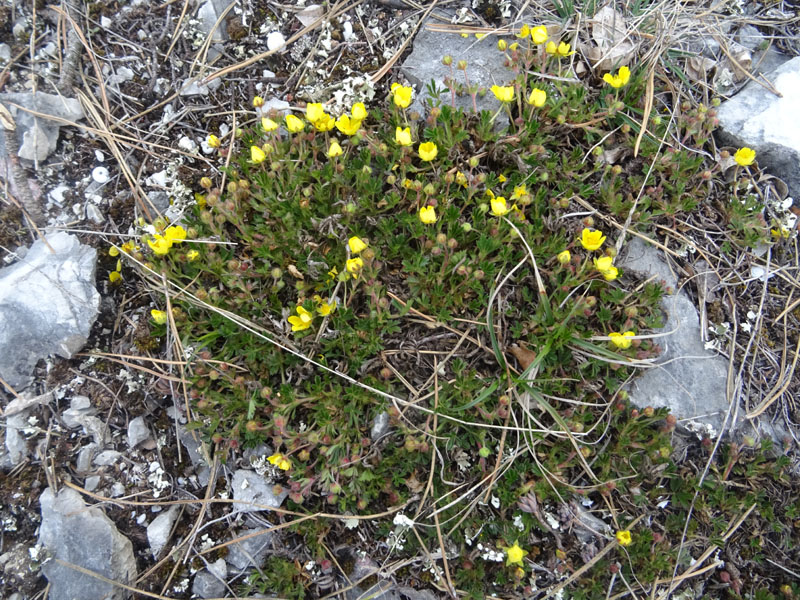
(32, 208)
(72, 55)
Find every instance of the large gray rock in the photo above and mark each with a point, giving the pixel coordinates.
(758, 119)
(87, 538)
(688, 379)
(484, 67)
(48, 304)
(38, 136)
(249, 486)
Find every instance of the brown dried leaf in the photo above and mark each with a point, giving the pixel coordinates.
(523, 355)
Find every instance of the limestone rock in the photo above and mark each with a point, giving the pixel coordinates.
(484, 66)
(158, 531)
(249, 486)
(687, 378)
(38, 136)
(85, 537)
(758, 119)
(48, 304)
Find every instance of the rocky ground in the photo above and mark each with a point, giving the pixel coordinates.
(112, 104)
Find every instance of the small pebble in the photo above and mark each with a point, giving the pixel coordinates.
(275, 41)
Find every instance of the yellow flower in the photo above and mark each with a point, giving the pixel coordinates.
(213, 141)
(427, 214)
(258, 102)
(159, 244)
(325, 123)
(611, 273)
(324, 308)
(334, 150)
(501, 178)
(592, 239)
(401, 95)
(524, 32)
(359, 112)
(114, 276)
(502, 45)
(314, 111)
(537, 98)
(175, 234)
(428, 151)
(783, 232)
(515, 554)
(519, 192)
(403, 136)
(744, 157)
(257, 155)
(623, 342)
(280, 461)
(513, 47)
(503, 93)
(354, 266)
(192, 255)
(356, 244)
(539, 34)
(480, 36)
(624, 538)
(294, 124)
(604, 263)
(159, 316)
(347, 125)
(301, 321)
(499, 206)
(620, 79)
(461, 179)
(561, 50)
(333, 273)
(564, 257)
(113, 251)
(268, 124)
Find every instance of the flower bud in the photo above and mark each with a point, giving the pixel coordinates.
(462, 65)
(447, 60)
(473, 161)
(502, 45)
(391, 179)
(429, 189)
(441, 238)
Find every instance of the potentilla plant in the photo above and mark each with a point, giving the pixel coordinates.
(453, 280)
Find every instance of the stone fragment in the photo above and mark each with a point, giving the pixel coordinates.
(248, 486)
(87, 538)
(208, 14)
(158, 531)
(760, 120)
(687, 378)
(137, 432)
(38, 136)
(32, 328)
(380, 425)
(250, 552)
(210, 583)
(80, 407)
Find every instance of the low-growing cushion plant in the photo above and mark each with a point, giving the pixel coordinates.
(458, 282)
